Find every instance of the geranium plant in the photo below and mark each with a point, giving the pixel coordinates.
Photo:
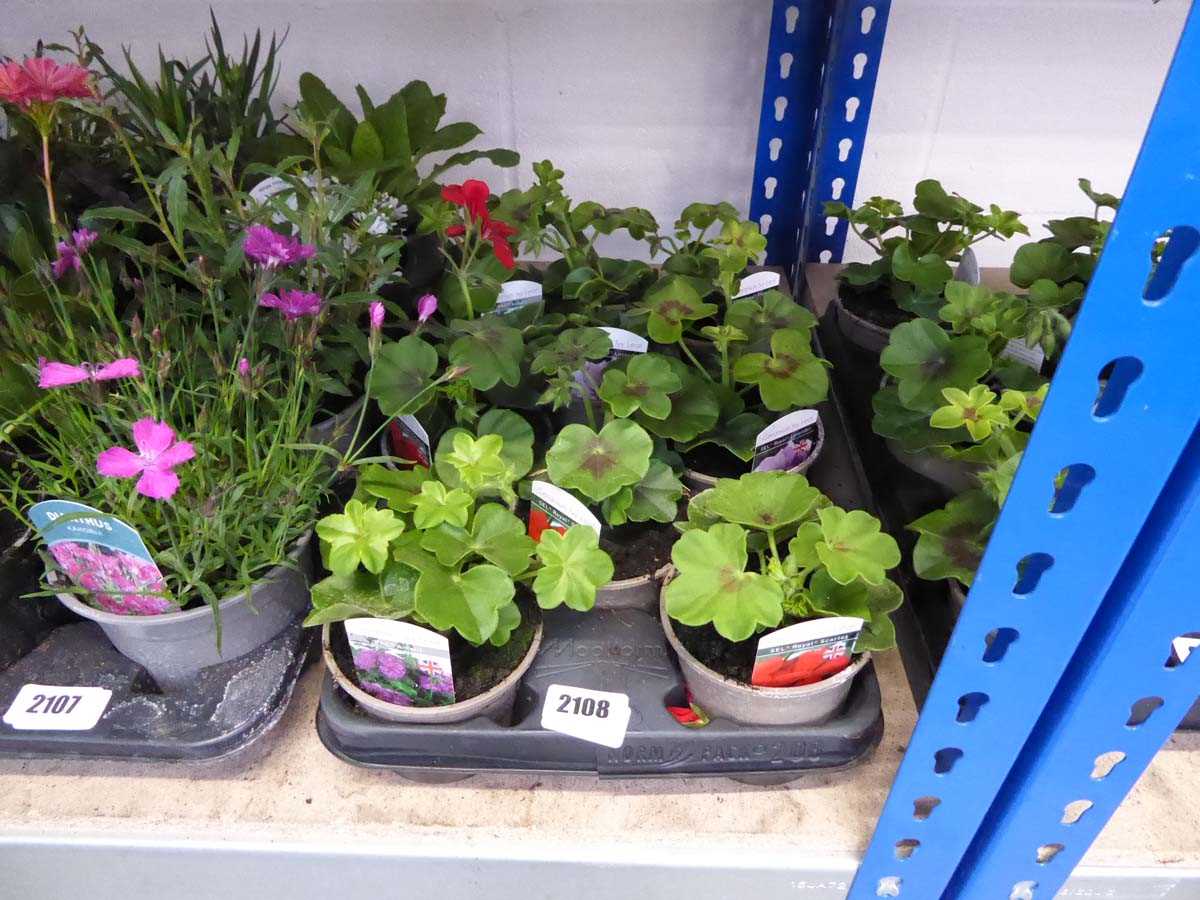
(768, 549)
(414, 546)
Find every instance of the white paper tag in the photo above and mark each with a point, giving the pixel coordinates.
(516, 295)
(552, 507)
(1183, 647)
(968, 268)
(1020, 351)
(51, 707)
(787, 442)
(600, 717)
(401, 663)
(806, 652)
(410, 441)
(756, 283)
(624, 343)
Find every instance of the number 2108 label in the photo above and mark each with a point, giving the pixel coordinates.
(600, 717)
(42, 707)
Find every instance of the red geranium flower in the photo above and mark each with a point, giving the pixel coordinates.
(498, 233)
(472, 194)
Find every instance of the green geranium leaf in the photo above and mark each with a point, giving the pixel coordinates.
(760, 317)
(600, 464)
(976, 410)
(490, 351)
(469, 602)
(1043, 260)
(714, 587)
(909, 427)
(695, 408)
(396, 487)
(852, 546)
(802, 549)
(389, 595)
(479, 474)
(508, 620)
(928, 273)
(495, 534)
(737, 435)
(402, 371)
(571, 350)
(791, 376)
(869, 602)
(645, 384)
(924, 359)
(672, 303)
(359, 534)
(763, 500)
(952, 539)
(653, 499)
(435, 505)
(573, 568)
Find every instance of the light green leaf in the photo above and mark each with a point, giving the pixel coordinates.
(852, 546)
(573, 568)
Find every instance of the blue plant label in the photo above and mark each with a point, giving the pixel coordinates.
(788, 442)
(757, 283)
(104, 556)
(401, 663)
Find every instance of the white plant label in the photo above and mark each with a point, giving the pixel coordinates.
(516, 295)
(1017, 349)
(756, 283)
(552, 507)
(806, 652)
(401, 663)
(599, 717)
(968, 268)
(1183, 647)
(787, 442)
(52, 707)
(624, 343)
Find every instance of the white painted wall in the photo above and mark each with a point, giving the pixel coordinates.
(655, 102)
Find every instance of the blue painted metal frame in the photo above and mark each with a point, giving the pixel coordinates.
(1132, 453)
(791, 94)
(856, 46)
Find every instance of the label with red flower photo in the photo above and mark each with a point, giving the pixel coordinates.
(401, 663)
(552, 507)
(787, 442)
(806, 652)
(515, 295)
(757, 283)
(104, 556)
(410, 441)
(624, 343)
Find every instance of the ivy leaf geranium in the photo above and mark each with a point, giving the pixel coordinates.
(714, 587)
(360, 534)
(573, 568)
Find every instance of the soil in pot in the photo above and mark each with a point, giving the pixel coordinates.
(715, 460)
(638, 549)
(732, 660)
(476, 669)
(875, 305)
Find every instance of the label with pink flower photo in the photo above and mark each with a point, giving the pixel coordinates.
(104, 556)
(401, 663)
(787, 442)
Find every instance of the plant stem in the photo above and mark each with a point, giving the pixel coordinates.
(46, 180)
(695, 362)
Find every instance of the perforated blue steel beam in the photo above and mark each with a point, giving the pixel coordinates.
(791, 94)
(855, 48)
(1123, 439)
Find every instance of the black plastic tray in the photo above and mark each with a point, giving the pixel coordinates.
(221, 713)
(608, 650)
(656, 745)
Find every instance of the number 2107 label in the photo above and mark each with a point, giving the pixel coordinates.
(42, 707)
(600, 717)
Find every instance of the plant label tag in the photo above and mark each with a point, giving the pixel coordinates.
(552, 507)
(516, 295)
(401, 663)
(104, 556)
(806, 652)
(1018, 350)
(1182, 647)
(787, 442)
(968, 268)
(757, 283)
(52, 707)
(624, 343)
(599, 717)
(410, 441)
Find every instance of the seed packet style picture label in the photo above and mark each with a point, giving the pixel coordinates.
(806, 652)
(787, 442)
(552, 507)
(104, 556)
(401, 663)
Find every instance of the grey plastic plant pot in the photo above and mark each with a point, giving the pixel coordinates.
(702, 481)
(175, 647)
(864, 334)
(495, 704)
(640, 592)
(728, 699)
(337, 431)
(953, 474)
